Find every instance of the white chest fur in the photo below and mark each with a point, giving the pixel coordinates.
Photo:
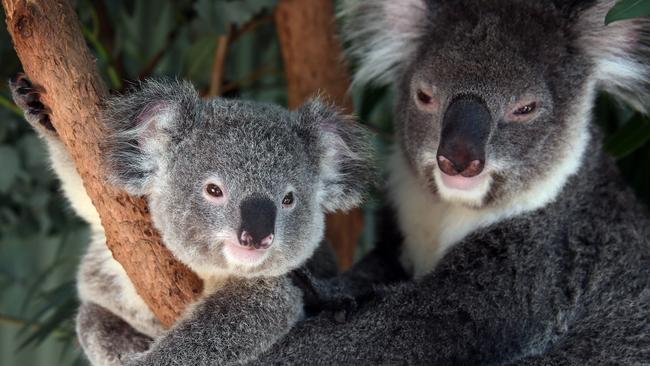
(431, 226)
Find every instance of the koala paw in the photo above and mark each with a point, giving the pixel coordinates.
(341, 303)
(27, 97)
(324, 295)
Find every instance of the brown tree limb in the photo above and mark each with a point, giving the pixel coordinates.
(221, 54)
(49, 42)
(313, 63)
(219, 64)
(250, 26)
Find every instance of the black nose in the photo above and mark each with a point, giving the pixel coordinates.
(257, 222)
(465, 132)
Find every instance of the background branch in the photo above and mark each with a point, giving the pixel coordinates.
(219, 65)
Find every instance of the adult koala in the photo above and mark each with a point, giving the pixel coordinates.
(525, 245)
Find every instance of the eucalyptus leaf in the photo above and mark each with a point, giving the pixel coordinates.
(62, 313)
(218, 15)
(32, 152)
(145, 31)
(634, 134)
(628, 9)
(10, 165)
(199, 58)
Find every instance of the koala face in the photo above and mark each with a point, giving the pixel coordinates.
(237, 187)
(490, 107)
(494, 97)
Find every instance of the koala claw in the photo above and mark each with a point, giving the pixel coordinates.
(27, 97)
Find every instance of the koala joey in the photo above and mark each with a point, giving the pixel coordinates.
(238, 191)
(525, 245)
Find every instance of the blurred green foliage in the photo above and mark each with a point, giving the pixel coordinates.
(41, 239)
(628, 9)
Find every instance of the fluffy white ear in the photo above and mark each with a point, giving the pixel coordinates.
(142, 124)
(345, 156)
(382, 34)
(621, 53)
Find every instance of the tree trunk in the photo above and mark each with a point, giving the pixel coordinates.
(49, 42)
(313, 63)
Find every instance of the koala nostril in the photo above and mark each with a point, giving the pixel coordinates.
(475, 168)
(266, 242)
(447, 166)
(246, 239)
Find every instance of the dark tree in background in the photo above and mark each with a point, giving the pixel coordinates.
(269, 50)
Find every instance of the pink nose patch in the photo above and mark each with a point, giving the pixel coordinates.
(462, 183)
(247, 240)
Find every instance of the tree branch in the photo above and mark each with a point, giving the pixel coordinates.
(313, 62)
(250, 26)
(219, 64)
(49, 42)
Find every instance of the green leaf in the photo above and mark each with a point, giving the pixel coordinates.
(144, 32)
(32, 152)
(199, 57)
(629, 137)
(62, 313)
(217, 15)
(10, 163)
(628, 9)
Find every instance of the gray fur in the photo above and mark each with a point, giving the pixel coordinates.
(236, 324)
(383, 34)
(551, 264)
(168, 144)
(106, 337)
(574, 291)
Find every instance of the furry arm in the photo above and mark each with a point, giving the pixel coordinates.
(235, 324)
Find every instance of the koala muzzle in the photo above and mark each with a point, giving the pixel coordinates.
(257, 222)
(465, 132)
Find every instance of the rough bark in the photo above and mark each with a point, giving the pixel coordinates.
(49, 42)
(313, 64)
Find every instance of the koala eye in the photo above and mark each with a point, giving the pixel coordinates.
(213, 190)
(525, 110)
(288, 199)
(425, 99)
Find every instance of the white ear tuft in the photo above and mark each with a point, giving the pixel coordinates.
(345, 156)
(383, 34)
(621, 52)
(338, 174)
(142, 124)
